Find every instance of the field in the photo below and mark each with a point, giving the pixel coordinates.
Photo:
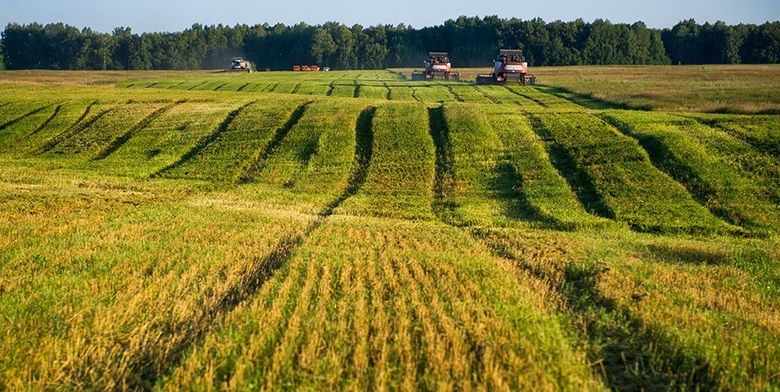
(354, 230)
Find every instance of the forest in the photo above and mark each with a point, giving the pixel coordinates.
(471, 41)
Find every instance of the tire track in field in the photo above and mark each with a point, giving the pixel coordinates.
(176, 85)
(75, 129)
(222, 127)
(416, 95)
(220, 86)
(117, 143)
(260, 158)
(331, 87)
(197, 85)
(263, 269)
(488, 97)
(296, 88)
(389, 92)
(356, 91)
(631, 345)
(271, 88)
(577, 179)
(452, 92)
(22, 117)
(688, 179)
(243, 87)
(48, 120)
(526, 96)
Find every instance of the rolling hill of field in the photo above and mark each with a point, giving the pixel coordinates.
(354, 230)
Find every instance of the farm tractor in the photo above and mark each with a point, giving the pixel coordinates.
(238, 64)
(510, 65)
(438, 64)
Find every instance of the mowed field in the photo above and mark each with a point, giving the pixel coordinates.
(352, 230)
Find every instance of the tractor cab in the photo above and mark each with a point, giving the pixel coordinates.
(437, 65)
(509, 65)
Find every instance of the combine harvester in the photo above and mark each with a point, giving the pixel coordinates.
(438, 64)
(510, 65)
(238, 64)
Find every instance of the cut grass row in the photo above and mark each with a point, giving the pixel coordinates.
(374, 304)
(726, 174)
(401, 174)
(500, 167)
(615, 178)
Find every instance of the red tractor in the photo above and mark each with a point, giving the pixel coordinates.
(438, 64)
(510, 65)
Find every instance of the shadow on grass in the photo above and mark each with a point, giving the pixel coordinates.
(518, 207)
(147, 369)
(575, 176)
(629, 354)
(204, 142)
(256, 166)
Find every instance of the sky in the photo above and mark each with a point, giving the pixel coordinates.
(176, 15)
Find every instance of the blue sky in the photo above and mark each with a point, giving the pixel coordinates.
(175, 15)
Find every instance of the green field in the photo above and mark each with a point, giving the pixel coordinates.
(354, 230)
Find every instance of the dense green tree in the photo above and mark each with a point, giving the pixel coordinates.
(471, 41)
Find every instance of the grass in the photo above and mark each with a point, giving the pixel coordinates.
(352, 230)
(615, 178)
(727, 175)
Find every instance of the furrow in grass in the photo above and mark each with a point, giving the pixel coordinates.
(276, 305)
(513, 90)
(762, 132)
(229, 156)
(356, 92)
(76, 129)
(389, 92)
(220, 86)
(454, 94)
(193, 87)
(364, 140)
(259, 161)
(496, 172)
(286, 352)
(270, 88)
(245, 85)
(618, 177)
(22, 117)
(48, 120)
(122, 139)
(487, 96)
(330, 88)
(402, 168)
(204, 142)
(701, 159)
(626, 348)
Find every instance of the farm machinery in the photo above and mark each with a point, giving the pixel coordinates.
(438, 64)
(510, 65)
(238, 64)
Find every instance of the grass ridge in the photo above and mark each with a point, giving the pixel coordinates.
(261, 157)
(205, 141)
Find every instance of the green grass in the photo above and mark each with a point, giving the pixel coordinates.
(229, 156)
(726, 174)
(400, 178)
(616, 179)
(353, 230)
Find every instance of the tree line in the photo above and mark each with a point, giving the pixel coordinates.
(471, 42)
